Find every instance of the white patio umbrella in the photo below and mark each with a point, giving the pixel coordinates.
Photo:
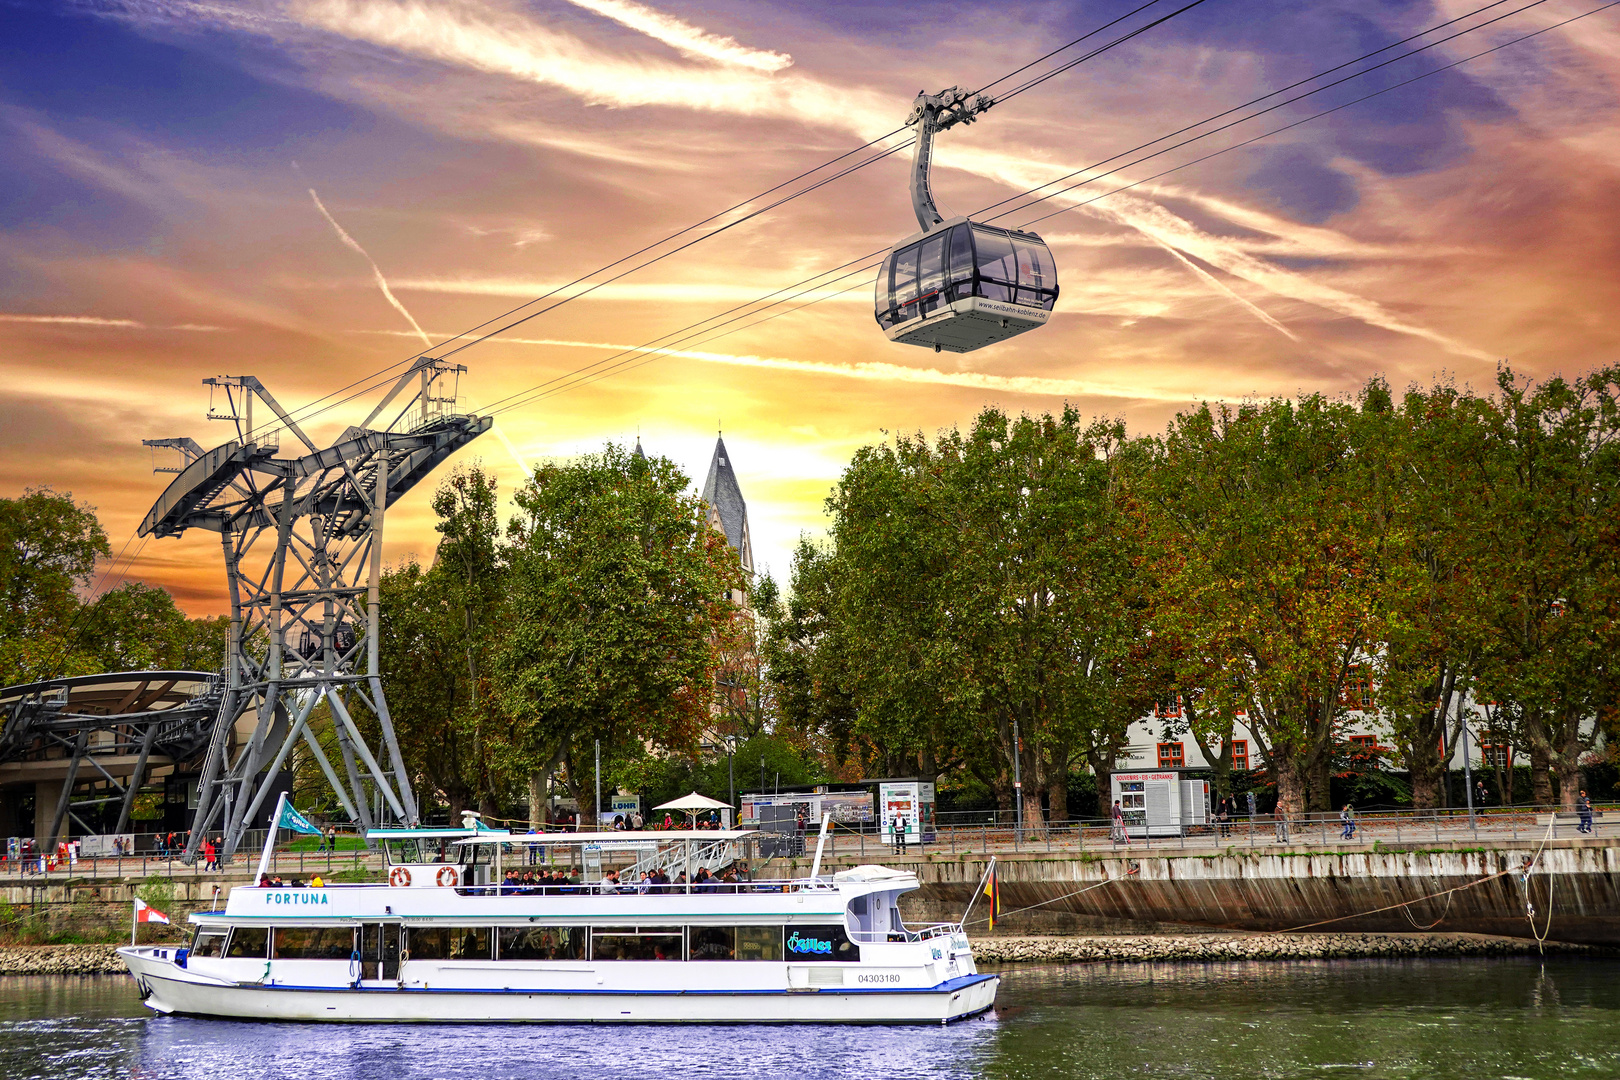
(693, 803)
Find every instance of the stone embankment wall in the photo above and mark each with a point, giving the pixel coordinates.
(1342, 890)
(47, 907)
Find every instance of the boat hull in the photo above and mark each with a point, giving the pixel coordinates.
(171, 989)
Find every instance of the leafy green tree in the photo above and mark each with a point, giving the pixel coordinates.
(976, 589)
(1266, 566)
(440, 626)
(617, 591)
(49, 546)
(1424, 488)
(1550, 565)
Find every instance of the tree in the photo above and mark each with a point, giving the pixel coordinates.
(978, 606)
(49, 546)
(1550, 565)
(439, 628)
(617, 593)
(1426, 492)
(1266, 568)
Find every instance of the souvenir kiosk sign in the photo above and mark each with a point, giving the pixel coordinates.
(1160, 803)
(906, 809)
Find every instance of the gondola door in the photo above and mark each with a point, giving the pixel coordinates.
(379, 951)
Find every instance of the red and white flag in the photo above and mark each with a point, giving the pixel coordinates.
(145, 912)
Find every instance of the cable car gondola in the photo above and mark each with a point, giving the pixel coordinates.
(959, 285)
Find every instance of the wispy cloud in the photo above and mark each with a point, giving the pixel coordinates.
(504, 43)
(376, 272)
(111, 324)
(685, 38)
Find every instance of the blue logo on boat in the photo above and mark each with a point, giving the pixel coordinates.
(797, 944)
(297, 898)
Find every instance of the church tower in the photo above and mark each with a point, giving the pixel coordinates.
(728, 511)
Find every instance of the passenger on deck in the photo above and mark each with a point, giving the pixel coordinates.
(609, 883)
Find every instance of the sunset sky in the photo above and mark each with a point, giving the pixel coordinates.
(177, 181)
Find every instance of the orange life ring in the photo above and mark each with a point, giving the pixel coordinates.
(446, 875)
(399, 876)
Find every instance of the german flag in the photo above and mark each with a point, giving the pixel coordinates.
(992, 893)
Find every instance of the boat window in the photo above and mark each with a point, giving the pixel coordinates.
(636, 943)
(714, 943)
(208, 941)
(449, 943)
(905, 280)
(542, 942)
(248, 941)
(312, 943)
(759, 943)
(821, 943)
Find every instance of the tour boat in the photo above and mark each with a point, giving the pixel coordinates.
(446, 939)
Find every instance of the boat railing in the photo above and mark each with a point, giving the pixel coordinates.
(906, 933)
(711, 856)
(683, 888)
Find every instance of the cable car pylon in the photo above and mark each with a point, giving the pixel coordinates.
(959, 285)
(302, 540)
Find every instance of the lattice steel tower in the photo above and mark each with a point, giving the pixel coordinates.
(302, 537)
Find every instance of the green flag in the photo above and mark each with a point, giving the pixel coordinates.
(293, 820)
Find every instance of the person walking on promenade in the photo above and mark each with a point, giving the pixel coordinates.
(1252, 807)
(1117, 828)
(899, 833)
(1583, 807)
(1347, 818)
(1479, 794)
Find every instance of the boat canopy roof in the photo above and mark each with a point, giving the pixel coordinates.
(422, 834)
(645, 836)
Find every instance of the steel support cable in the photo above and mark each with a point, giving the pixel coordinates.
(1273, 108)
(1064, 48)
(534, 393)
(690, 243)
(853, 168)
(640, 351)
(1249, 103)
(1061, 68)
(303, 412)
(586, 374)
(641, 355)
(1324, 112)
(309, 411)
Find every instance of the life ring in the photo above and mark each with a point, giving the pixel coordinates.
(446, 876)
(399, 876)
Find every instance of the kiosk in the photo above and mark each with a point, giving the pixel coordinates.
(908, 801)
(1160, 803)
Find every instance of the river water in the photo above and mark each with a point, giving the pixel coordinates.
(1463, 1019)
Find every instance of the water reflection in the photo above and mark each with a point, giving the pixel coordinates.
(1388, 1019)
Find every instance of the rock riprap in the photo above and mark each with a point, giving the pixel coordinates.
(60, 960)
(1197, 948)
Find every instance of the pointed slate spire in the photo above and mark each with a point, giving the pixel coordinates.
(727, 508)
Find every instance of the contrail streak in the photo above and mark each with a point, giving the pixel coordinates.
(376, 273)
(872, 371)
(1215, 283)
